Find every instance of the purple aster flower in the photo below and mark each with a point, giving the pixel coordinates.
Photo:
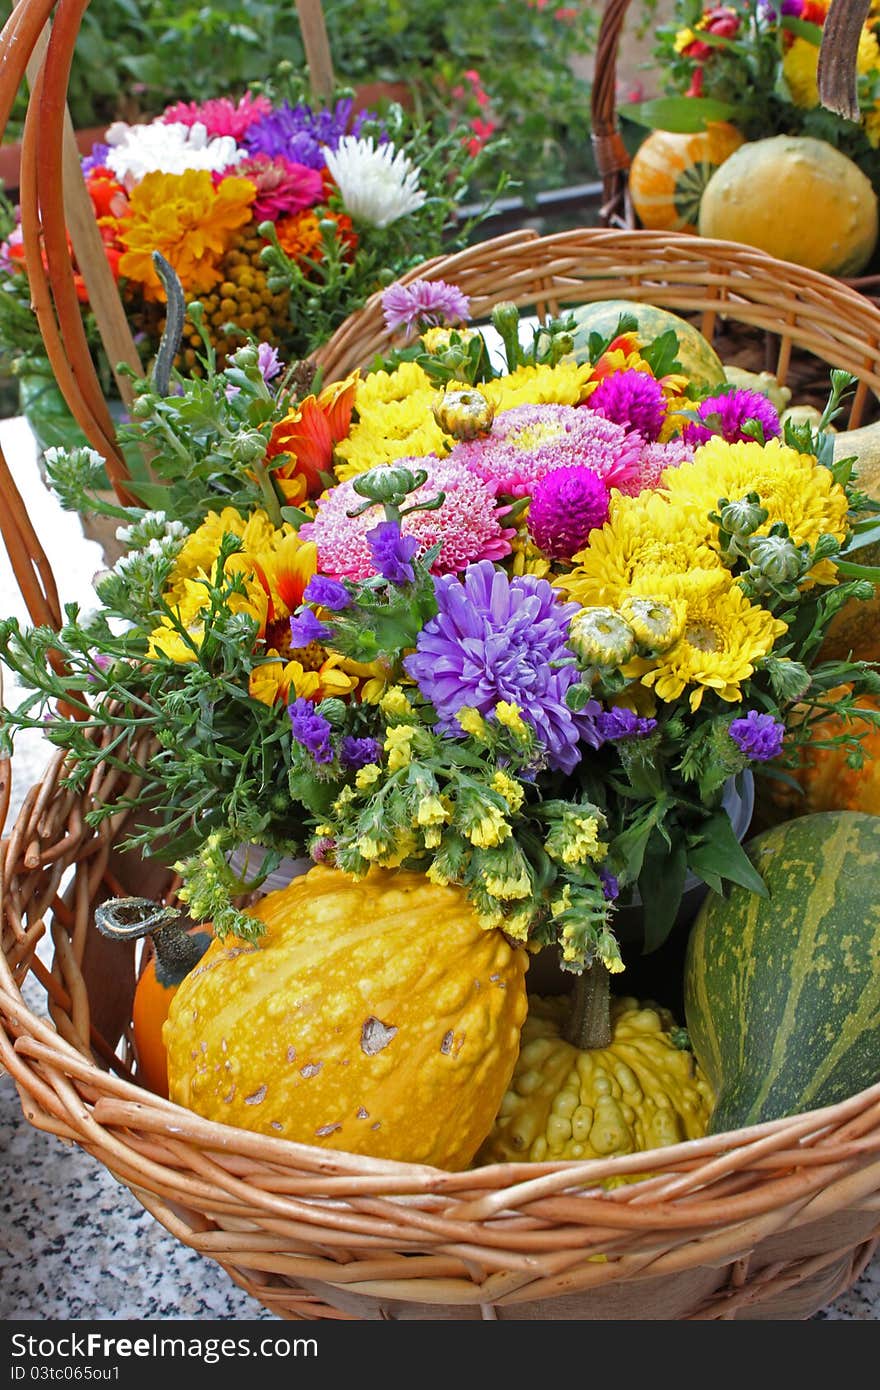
(299, 133)
(327, 593)
(305, 628)
(311, 729)
(632, 399)
(268, 362)
(617, 723)
(566, 506)
(610, 886)
(423, 302)
(727, 414)
(95, 159)
(496, 638)
(392, 552)
(357, 752)
(758, 736)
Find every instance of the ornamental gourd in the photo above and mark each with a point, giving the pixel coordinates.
(797, 198)
(699, 360)
(670, 170)
(374, 1016)
(782, 994)
(826, 779)
(640, 1091)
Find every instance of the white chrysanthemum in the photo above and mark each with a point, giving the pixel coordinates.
(136, 150)
(378, 183)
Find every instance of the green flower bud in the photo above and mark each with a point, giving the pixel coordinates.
(249, 446)
(465, 414)
(657, 626)
(387, 485)
(742, 518)
(776, 558)
(246, 357)
(601, 637)
(505, 317)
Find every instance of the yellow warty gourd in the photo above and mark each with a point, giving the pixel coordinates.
(373, 1016)
(797, 198)
(640, 1093)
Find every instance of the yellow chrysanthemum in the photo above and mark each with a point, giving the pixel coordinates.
(793, 487)
(799, 68)
(189, 220)
(644, 538)
(723, 637)
(272, 682)
(564, 384)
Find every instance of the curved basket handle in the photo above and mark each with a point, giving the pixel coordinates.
(612, 159)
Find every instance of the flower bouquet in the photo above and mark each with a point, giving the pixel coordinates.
(278, 218)
(484, 633)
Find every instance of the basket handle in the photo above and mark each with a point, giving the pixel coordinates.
(612, 159)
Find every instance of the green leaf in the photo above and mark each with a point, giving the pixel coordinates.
(851, 571)
(661, 884)
(684, 115)
(802, 29)
(662, 354)
(720, 853)
(864, 533)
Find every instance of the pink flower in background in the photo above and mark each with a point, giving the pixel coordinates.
(283, 187)
(657, 457)
(220, 116)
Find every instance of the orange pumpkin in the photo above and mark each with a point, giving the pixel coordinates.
(176, 954)
(176, 951)
(827, 780)
(669, 172)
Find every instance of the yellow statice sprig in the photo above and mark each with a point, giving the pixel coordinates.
(579, 914)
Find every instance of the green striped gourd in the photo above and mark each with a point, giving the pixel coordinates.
(782, 994)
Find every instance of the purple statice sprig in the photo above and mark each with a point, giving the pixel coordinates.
(306, 628)
(392, 552)
(311, 729)
(619, 723)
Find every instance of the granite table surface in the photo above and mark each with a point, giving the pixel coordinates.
(75, 1244)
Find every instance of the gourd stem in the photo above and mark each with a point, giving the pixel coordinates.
(177, 952)
(589, 1019)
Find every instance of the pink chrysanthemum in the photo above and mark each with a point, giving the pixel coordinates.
(468, 523)
(529, 441)
(632, 399)
(657, 457)
(283, 188)
(220, 116)
(566, 506)
(727, 414)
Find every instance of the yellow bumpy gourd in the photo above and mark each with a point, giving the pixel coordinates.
(374, 1016)
(640, 1093)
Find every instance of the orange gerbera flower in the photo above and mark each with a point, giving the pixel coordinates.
(189, 221)
(307, 437)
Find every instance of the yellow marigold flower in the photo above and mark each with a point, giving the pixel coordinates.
(471, 721)
(683, 39)
(511, 791)
(398, 739)
(189, 220)
(644, 536)
(509, 714)
(793, 487)
(564, 384)
(367, 776)
(723, 638)
(394, 704)
(799, 68)
(491, 829)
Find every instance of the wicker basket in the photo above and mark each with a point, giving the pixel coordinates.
(772, 1222)
(609, 150)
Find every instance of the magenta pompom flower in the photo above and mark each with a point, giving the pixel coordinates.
(726, 416)
(529, 441)
(424, 304)
(566, 506)
(468, 524)
(632, 399)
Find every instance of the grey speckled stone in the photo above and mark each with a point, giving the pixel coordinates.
(74, 1243)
